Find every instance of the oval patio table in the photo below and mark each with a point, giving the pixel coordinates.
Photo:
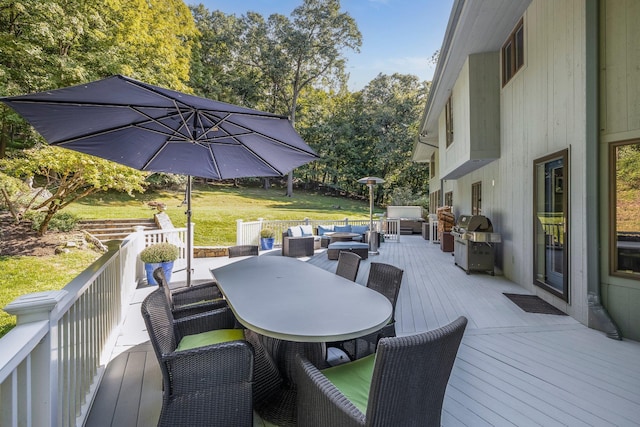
(300, 307)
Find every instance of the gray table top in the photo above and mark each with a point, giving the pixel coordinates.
(288, 299)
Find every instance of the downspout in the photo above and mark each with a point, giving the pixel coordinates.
(598, 316)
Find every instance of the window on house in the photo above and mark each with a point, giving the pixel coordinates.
(476, 198)
(434, 201)
(448, 198)
(513, 53)
(448, 115)
(625, 218)
(432, 166)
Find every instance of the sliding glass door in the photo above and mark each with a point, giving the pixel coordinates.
(551, 223)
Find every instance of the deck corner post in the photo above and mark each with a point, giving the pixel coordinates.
(38, 307)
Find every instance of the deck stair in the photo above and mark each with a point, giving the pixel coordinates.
(114, 229)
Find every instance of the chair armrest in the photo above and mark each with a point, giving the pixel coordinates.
(221, 318)
(193, 309)
(320, 402)
(191, 294)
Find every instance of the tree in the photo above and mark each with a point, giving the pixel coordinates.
(293, 54)
(48, 44)
(66, 176)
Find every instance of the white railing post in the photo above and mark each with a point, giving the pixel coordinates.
(139, 244)
(43, 386)
(239, 232)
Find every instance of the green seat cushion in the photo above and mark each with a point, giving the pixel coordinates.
(353, 379)
(209, 338)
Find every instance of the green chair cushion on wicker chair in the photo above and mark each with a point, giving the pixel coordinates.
(209, 338)
(353, 379)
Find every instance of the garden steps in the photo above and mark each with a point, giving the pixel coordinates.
(114, 229)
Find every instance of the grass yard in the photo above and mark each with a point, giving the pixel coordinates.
(215, 209)
(26, 274)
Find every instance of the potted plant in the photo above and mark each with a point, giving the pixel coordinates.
(159, 255)
(266, 238)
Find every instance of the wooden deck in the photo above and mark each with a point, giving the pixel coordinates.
(513, 368)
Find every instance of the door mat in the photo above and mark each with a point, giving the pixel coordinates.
(533, 304)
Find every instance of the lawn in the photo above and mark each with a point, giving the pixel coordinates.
(215, 209)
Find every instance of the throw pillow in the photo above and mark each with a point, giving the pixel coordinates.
(342, 228)
(324, 229)
(295, 232)
(307, 230)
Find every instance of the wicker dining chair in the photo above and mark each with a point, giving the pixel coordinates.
(209, 385)
(386, 279)
(406, 381)
(190, 300)
(243, 250)
(348, 265)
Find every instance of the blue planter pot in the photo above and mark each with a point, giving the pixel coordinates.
(266, 243)
(167, 267)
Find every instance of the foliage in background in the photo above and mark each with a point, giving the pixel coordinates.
(67, 176)
(49, 44)
(403, 196)
(167, 181)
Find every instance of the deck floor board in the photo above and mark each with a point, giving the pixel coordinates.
(513, 368)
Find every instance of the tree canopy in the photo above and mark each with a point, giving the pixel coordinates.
(291, 65)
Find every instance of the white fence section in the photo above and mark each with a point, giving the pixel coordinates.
(52, 362)
(392, 230)
(248, 233)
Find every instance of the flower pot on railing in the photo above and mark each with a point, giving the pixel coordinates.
(159, 255)
(266, 243)
(149, 268)
(267, 237)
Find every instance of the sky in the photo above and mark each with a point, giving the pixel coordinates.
(398, 36)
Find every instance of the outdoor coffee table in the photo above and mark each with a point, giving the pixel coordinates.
(297, 307)
(342, 236)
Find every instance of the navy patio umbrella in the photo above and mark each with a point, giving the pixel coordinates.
(154, 129)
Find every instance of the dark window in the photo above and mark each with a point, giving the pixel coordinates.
(448, 111)
(432, 166)
(513, 53)
(476, 198)
(448, 198)
(434, 201)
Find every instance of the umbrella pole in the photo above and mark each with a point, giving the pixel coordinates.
(189, 243)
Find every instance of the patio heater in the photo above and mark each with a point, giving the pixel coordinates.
(372, 236)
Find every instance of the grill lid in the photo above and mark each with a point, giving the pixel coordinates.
(470, 223)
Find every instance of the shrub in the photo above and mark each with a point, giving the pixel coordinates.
(159, 252)
(267, 233)
(59, 222)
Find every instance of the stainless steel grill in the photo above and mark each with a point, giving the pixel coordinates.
(474, 240)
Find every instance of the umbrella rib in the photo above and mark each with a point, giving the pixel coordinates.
(250, 131)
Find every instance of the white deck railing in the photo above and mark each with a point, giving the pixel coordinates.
(52, 362)
(248, 233)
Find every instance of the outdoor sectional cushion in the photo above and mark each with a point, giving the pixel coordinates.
(294, 231)
(353, 379)
(342, 229)
(324, 229)
(216, 336)
(307, 230)
(360, 229)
